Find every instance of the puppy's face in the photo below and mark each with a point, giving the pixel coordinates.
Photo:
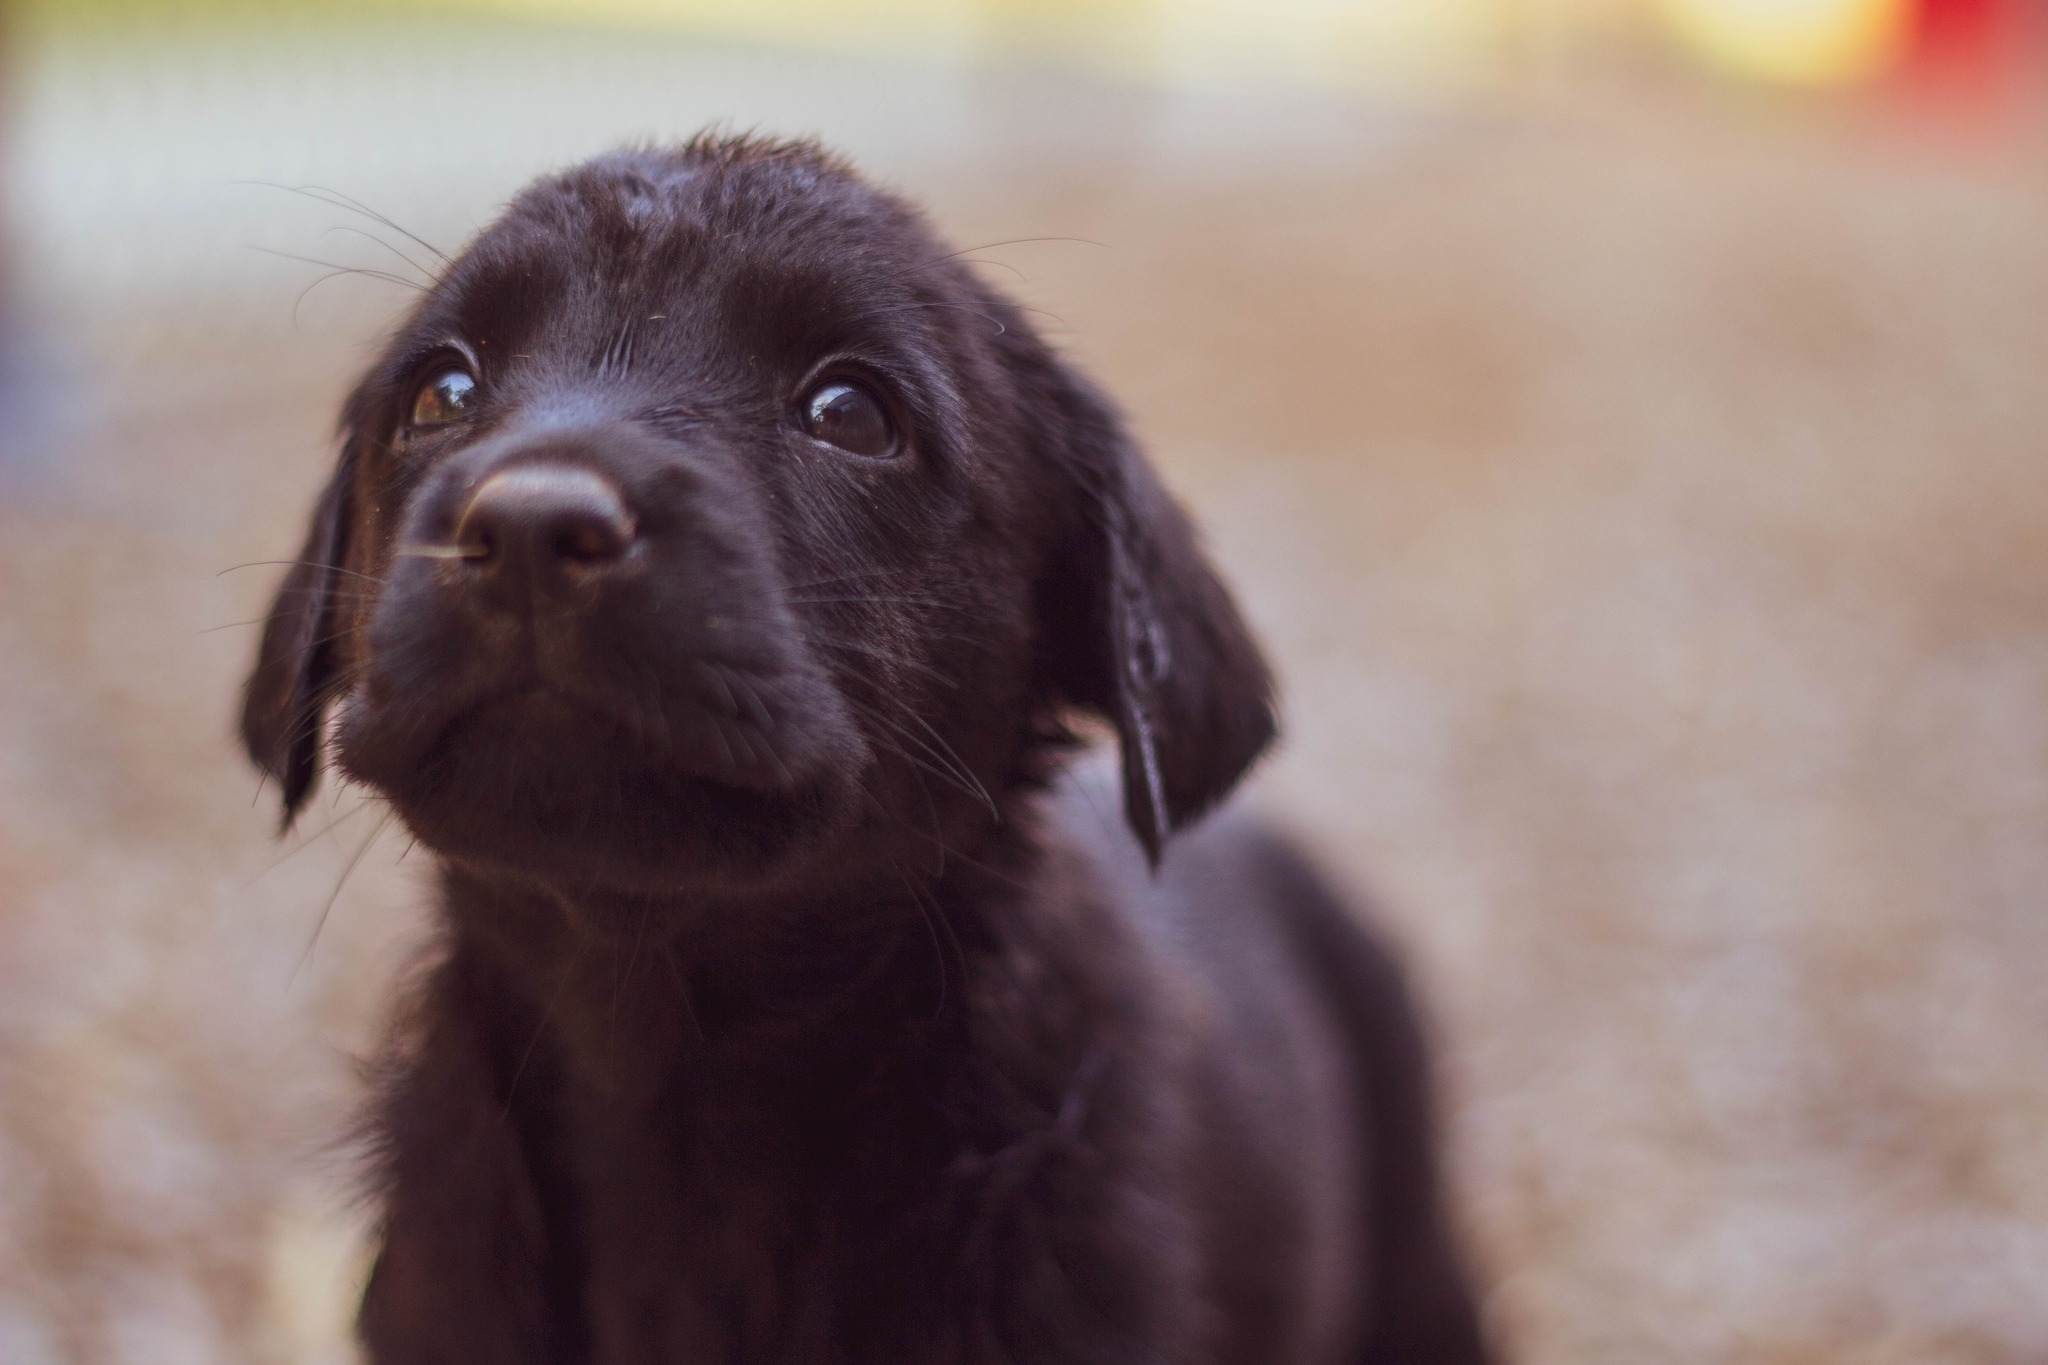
(708, 527)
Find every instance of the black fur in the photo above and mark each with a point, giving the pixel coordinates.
(793, 1007)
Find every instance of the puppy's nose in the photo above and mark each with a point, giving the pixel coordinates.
(557, 523)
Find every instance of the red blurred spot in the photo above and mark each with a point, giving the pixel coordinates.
(1973, 61)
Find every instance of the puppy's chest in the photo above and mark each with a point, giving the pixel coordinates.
(731, 1219)
(875, 1189)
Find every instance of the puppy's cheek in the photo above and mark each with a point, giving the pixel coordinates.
(815, 736)
(370, 749)
(422, 671)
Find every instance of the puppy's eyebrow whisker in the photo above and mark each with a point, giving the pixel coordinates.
(990, 319)
(991, 246)
(1000, 265)
(954, 256)
(339, 269)
(425, 274)
(1027, 308)
(333, 198)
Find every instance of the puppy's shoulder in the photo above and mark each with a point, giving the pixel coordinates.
(1219, 879)
(1220, 921)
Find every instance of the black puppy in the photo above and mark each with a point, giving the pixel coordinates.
(712, 573)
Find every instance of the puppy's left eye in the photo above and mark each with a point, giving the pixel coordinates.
(848, 414)
(443, 399)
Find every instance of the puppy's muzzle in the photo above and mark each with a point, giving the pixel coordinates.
(546, 529)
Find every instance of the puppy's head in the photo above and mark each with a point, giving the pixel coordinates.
(709, 525)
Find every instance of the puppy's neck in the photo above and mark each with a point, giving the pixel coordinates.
(632, 987)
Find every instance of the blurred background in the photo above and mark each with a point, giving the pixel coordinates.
(1627, 421)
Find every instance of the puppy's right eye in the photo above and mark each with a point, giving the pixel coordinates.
(848, 414)
(443, 399)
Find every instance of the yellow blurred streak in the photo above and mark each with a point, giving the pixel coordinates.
(1333, 41)
(865, 26)
(1202, 44)
(1180, 42)
(1793, 42)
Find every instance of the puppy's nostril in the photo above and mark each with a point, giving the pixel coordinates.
(547, 516)
(590, 541)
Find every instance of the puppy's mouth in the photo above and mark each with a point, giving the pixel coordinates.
(583, 783)
(724, 732)
(718, 722)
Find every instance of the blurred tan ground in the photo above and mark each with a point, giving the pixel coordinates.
(1651, 521)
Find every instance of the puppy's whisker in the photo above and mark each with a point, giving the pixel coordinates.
(540, 1030)
(290, 592)
(931, 808)
(441, 552)
(948, 851)
(951, 755)
(347, 871)
(750, 698)
(327, 592)
(875, 599)
(931, 928)
(946, 764)
(659, 712)
(830, 579)
(885, 655)
(717, 678)
(295, 563)
(306, 841)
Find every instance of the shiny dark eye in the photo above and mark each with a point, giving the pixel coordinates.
(443, 399)
(848, 414)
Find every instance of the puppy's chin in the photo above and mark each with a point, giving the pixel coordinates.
(549, 791)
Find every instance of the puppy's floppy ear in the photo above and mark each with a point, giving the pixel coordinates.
(295, 671)
(1145, 633)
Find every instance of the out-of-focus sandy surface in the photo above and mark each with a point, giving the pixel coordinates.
(1652, 527)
